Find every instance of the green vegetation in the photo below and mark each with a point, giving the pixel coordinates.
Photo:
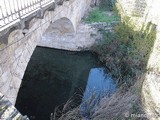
(125, 52)
(100, 15)
(106, 12)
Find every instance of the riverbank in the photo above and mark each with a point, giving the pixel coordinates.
(125, 53)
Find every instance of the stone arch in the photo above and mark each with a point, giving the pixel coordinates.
(19, 43)
(57, 34)
(62, 25)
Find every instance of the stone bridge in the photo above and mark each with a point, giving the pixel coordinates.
(18, 41)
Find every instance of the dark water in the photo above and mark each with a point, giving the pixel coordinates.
(53, 76)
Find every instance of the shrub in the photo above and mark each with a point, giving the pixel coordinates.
(125, 52)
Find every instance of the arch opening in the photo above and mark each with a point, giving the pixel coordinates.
(58, 35)
(61, 26)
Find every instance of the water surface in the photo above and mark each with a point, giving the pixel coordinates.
(53, 76)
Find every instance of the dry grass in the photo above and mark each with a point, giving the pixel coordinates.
(70, 110)
(121, 104)
(73, 114)
(116, 107)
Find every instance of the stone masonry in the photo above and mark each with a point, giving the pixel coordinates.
(15, 53)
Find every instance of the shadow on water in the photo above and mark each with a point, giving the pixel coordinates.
(53, 76)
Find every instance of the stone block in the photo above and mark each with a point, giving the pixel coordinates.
(16, 82)
(5, 78)
(26, 54)
(11, 92)
(19, 51)
(13, 66)
(5, 86)
(19, 72)
(22, 63)
(1, 71)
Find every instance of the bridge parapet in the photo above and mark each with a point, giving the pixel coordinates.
(17, 14)
(13, 11)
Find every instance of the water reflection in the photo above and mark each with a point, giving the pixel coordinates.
(99, 83)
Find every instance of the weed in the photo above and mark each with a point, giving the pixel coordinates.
(99, 15)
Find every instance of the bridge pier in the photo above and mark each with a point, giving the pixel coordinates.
(19, 41)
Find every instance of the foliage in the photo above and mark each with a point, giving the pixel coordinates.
(100, 15)
(126, 51)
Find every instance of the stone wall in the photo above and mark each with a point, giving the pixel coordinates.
(141, 12)
(108, 27)
(16, 52)
(64, 38)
